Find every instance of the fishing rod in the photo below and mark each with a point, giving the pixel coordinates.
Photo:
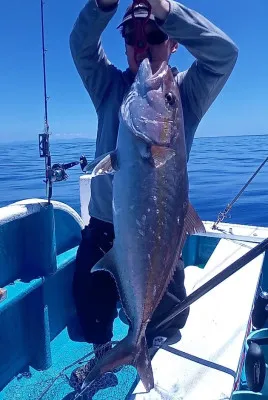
(223, 214)
(216, 280)
(44, 148)
(55, 172)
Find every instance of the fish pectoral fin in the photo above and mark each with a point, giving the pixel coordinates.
(193, 223)
(106, 263)
(105, 164)
(160, 155)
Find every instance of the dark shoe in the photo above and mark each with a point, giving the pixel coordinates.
(105, 381)
(79, 375)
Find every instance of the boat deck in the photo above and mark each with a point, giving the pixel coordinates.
(203, 364)
(53, 384)
(40, 344)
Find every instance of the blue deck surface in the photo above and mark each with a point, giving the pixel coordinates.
(64, 353)
(39, 335)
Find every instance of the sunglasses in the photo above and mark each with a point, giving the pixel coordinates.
(153, 38)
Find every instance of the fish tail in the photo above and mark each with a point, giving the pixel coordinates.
(144, 366)
(126, 352)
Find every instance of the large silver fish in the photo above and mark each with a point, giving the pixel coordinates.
(151, 211)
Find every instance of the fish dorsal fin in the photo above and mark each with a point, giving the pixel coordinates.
(193, 223)
(161, 155)
(105, 164)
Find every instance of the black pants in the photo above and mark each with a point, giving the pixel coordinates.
(96, 296)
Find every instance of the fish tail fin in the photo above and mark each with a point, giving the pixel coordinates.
(126, 352)
(144, 366)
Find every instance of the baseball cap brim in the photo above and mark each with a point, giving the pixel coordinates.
(139, 13)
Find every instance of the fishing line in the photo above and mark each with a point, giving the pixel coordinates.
(141, 46)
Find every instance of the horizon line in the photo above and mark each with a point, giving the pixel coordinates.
(65, 138)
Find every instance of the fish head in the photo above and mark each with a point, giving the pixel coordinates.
(152, 107)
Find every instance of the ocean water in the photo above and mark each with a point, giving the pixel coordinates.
(218, 169)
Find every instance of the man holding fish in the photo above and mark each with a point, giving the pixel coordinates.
(139, 207)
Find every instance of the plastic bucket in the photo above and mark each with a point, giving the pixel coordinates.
(261, 333)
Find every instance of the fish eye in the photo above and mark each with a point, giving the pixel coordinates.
(170, 98)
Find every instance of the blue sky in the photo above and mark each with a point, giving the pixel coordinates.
(241, 108)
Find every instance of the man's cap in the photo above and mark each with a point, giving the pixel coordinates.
(140, 11)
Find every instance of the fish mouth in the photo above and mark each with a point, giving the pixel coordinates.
(161, 71)
(146, 76)
(151, 123)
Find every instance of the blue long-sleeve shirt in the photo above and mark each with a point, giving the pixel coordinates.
(215, 57)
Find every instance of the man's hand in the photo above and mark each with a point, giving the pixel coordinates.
(160, 8)
(106, 3)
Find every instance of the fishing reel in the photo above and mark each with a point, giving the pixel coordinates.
(57, 173)
(83, 163)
